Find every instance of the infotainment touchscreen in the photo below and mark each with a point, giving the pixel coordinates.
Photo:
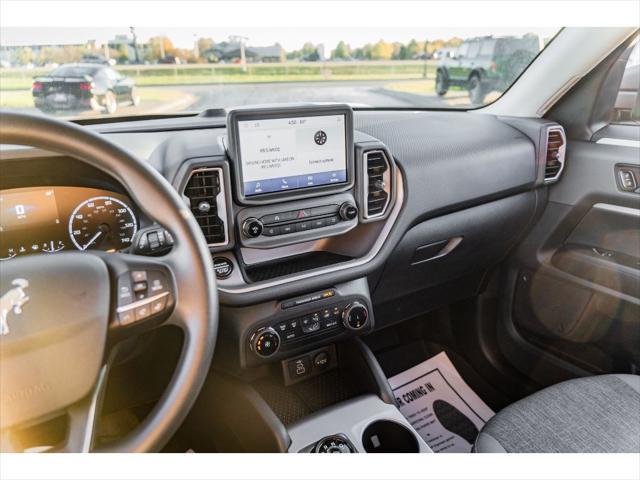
(295, 153)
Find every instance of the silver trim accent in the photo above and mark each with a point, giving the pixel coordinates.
(382, 238)
(633, 212)
(386, 178)
(621, 173)
(221, 201)
(87, 441)
(446, 250)
(140, 303)
(561, 153)
(620, 142)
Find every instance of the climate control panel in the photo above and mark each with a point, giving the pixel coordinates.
(320, 316)
(293, 222)
(284, 223)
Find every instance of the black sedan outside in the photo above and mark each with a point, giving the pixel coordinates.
(80, 86)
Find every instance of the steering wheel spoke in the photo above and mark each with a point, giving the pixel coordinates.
(83, 418)
(144, 293)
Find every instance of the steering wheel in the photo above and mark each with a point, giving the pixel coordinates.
(68, 311)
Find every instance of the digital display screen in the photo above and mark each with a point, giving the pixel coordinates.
(282, 154)
(28, 208)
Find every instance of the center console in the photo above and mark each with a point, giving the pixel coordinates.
(293, 203)
(293, 200)
(363, 425)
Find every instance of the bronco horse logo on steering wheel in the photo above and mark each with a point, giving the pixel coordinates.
(12, 301)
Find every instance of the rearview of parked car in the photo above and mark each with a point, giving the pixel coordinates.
(82, 86)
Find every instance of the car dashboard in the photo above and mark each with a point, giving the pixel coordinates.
(405, 203)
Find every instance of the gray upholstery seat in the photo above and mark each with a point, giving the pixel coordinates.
(590, 415)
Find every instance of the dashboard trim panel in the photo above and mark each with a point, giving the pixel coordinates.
(377, 246)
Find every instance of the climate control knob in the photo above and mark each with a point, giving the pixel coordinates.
(348, 211)
(252, 227)
(355, 316)
(265, 342)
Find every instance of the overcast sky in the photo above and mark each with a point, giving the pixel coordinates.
(289, 38)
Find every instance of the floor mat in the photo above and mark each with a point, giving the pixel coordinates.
(438, 403)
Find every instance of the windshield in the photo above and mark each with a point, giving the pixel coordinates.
(96, 72)
(73, 71)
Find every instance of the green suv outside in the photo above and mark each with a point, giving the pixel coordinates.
(484, 64)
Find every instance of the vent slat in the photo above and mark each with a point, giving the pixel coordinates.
(377, 198)
(204, 186)
(555, 142)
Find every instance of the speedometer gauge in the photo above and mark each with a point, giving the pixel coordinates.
(102, 223)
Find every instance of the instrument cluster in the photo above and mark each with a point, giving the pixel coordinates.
(52, 219)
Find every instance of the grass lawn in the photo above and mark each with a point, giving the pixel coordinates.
(16, 99)
(21, 79)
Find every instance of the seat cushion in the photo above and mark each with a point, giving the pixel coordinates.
(589, 415)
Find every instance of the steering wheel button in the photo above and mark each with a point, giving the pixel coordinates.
(139, 276)
(159, 305)
(154, 242)
(139, 287)
(125, 292)
(142, 312)
(126, 317)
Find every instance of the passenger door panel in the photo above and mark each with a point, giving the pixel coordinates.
(577, 289)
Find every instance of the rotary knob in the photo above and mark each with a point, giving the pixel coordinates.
(265, 342)
(348, 211)
(252, 227)
(355, 316)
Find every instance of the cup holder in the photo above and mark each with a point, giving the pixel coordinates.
(385, 436)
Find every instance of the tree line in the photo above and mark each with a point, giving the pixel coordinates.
(160, 47)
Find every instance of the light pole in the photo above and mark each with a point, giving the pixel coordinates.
(243, 59)
(426, 59)
(196, 49)
(135, 43)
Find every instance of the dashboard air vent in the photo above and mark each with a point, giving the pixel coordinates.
(554, 162)
(377, 184)
(205, 191)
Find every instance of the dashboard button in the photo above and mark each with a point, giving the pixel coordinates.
(299, 367)
(252, 227)
(332, 220)
(355, 316)
(348, 211)
(271, 231)
(303, 213)
(289, 228)
(279, 217)
(223, 267)
(290, 335)
(303, 226)
(266, 342)
(310, 324)
(319, 223)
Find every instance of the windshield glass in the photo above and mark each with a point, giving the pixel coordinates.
(73, 71)
(95, 72)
